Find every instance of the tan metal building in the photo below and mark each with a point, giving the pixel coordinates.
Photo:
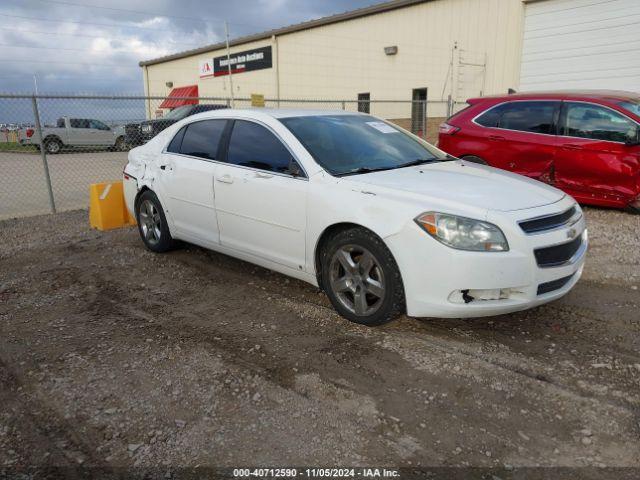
(399, 50)
(406, 49)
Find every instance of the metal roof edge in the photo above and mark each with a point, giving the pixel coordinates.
(319, 22)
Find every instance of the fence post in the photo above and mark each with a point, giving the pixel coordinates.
(342, 104)
(43, 153)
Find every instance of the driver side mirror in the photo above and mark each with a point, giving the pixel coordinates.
(633, 140)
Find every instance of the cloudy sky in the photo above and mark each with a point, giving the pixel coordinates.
(94, 46)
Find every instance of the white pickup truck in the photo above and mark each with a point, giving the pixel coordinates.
(76, 132)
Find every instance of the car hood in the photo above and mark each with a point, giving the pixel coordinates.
(165, 122)
(468, 183)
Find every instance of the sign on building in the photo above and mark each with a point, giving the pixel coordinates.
(257, 100)
(247, 61)
(206, 68)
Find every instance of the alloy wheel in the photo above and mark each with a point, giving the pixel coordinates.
(357, 280)
(150, 222)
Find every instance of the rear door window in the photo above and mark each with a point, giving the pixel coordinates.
(201, 139)
(532, 117)
(491, 117)
(584, 120)
(79, 123)
(252, 145)
(176, 141)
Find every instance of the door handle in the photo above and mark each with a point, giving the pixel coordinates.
(263, 175)
(496, 138)
(166, 167)
(570, 146)
(226, 178)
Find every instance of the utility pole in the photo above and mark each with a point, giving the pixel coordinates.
(35, 102)
(452, 97)
(226, 32)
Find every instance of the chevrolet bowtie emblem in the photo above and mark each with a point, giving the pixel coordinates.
(571, 233)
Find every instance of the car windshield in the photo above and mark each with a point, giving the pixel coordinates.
(352, 144)
(179, 113)
(632, 106)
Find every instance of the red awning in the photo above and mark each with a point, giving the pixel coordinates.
(174, 100)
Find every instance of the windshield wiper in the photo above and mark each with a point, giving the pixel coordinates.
(359, 170)
(419, 161)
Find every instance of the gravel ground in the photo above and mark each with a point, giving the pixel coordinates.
(112, 357)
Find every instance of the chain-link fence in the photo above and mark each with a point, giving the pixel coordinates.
(53, 147)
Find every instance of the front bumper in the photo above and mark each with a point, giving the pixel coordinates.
(434, 275)
(136, 136)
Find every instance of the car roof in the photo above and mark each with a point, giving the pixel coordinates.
(272, 112)
(610, 95)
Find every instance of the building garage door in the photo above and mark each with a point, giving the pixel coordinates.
(572, 44)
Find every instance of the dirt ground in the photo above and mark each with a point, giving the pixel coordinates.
(112, 357)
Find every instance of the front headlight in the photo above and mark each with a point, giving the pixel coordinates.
(463, 233)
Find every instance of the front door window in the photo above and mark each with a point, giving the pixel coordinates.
(584, 120)
(252, 145)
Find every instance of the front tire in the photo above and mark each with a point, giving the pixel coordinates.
(633, 210)
(152, 223)
(361, 277)
(120, 145)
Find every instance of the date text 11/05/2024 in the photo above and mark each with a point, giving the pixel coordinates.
(315, 473)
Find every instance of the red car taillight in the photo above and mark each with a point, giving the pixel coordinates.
(446, 129)
(29, 132)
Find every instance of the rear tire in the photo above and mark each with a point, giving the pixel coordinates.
(361, 277)
(474, 159)
(152, 223)
(52, 146)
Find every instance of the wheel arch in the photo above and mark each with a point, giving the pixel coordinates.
(327, 233)
(144, 188)
(53, 137)
(470, 157)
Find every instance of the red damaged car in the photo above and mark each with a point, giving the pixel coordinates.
(585, 143)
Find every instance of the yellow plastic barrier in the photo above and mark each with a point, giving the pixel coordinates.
(107, 209)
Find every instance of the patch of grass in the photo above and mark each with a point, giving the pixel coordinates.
(16, 147)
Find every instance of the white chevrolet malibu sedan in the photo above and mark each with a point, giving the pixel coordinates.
(380, 220)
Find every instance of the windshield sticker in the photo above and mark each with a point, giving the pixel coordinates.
(382, 127)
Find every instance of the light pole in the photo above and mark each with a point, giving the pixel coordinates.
(226, 32)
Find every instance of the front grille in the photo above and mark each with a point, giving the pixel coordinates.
(547, 223)
(554, 285)
(558, 254)
(132, 128)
